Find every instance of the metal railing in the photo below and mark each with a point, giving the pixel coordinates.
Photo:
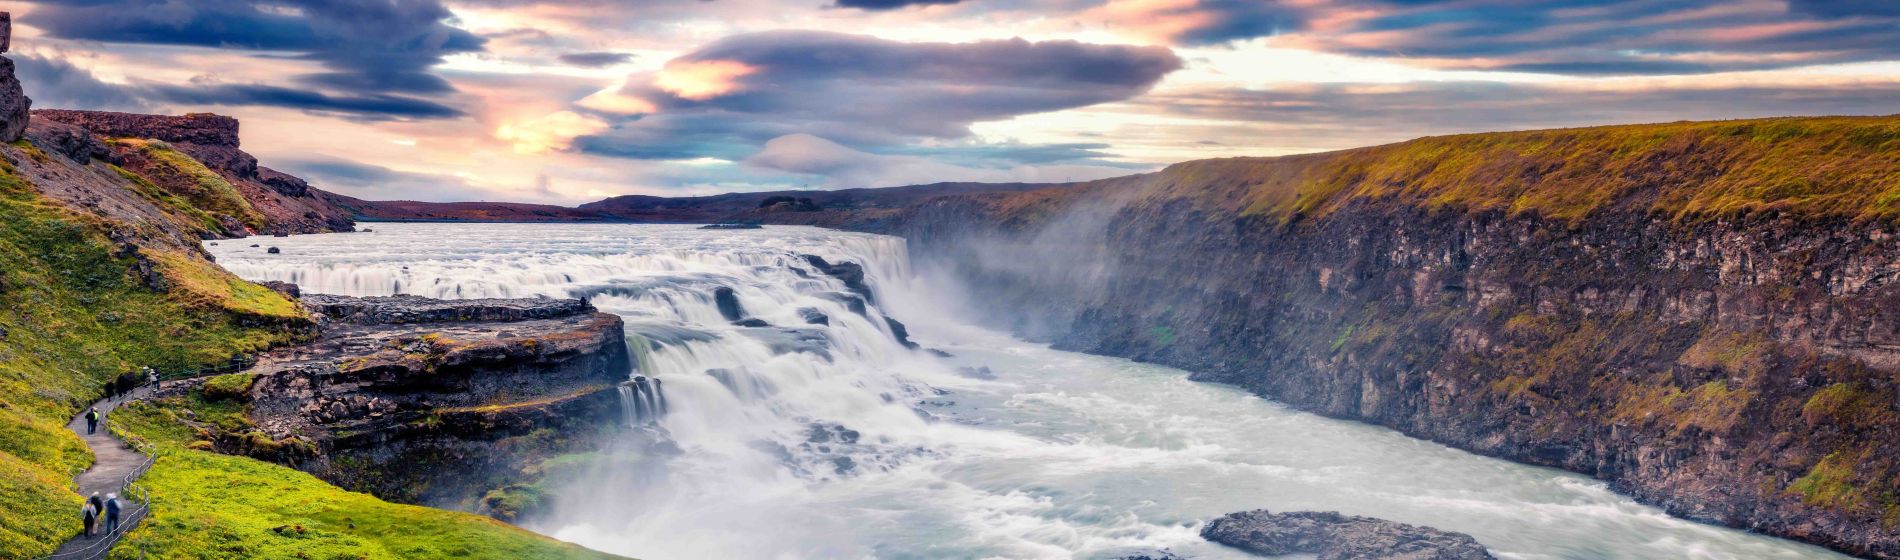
(129, 517)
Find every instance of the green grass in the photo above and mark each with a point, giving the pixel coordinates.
(1817, 166)
(200, 187)
(76, 311)
(208, 505)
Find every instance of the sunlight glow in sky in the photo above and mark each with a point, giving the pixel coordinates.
(569, 101)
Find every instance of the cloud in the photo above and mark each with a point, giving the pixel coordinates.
(728, 98)
(376, 52)
(1599, 37)
(56, 83)
(1332, 116)
(889, 4)
(554, 131)
(1198, 22)
(375, 182)
(597, 59)
(841, 166)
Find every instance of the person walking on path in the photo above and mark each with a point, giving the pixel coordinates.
(88, 515)
(112, 513)
(92, 422)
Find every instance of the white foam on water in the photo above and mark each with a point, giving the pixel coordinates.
(1062, 455)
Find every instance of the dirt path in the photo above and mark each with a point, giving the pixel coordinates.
(114, 466)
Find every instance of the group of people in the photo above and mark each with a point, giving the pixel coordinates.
(96, 508)
(122, 386)
(103, 513)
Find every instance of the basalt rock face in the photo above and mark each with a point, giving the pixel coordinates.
(437, 402)
(287, 203)
(1332, 536)
(1660, 317)
(14, 105)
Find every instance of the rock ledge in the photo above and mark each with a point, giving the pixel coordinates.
(1334, 536)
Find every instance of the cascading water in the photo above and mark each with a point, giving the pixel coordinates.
(801, 427)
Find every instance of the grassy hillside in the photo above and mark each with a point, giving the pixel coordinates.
(1831, 166)
(85, 297)
(208, 505)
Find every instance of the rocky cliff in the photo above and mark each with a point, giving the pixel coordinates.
(196, 157)
(428, 401)
(1703, 314)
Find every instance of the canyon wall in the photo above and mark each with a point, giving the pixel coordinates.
(1706, 315)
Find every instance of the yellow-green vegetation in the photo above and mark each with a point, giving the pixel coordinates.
(76, 311)
(1831, 166)
(1849, 405)
(1744, 354)
(202, 188)
(235, 386)
(1712, 406)
(1831, 482)
(207, 505)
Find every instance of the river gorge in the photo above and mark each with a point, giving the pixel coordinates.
(799, 424)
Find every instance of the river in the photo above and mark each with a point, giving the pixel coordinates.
(801, 440)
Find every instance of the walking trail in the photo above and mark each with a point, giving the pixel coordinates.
(115, 465)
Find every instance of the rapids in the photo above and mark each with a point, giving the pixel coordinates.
(805, 440)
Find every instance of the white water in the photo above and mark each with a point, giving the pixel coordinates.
(1061, 455)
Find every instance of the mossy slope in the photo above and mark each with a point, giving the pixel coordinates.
(208, 505)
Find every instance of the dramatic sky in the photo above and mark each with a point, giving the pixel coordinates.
(574, 100)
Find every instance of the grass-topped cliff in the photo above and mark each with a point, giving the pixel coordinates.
(1833, 166)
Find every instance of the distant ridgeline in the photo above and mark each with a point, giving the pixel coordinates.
(101, 215)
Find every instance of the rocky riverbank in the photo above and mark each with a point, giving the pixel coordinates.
(430, 401)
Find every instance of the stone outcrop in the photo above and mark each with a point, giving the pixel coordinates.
(1332, 536)
(437, 402)
(287, 203)
(14, 105)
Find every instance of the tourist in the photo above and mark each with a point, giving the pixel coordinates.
(112, 514)
(92, 420)
(111, 386)
(89, 515)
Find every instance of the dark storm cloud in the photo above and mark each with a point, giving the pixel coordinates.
(57, 84)
(889, 4)
(374, 50)
(54, 83)
(866, 92)
(596, 59)
(369, 107)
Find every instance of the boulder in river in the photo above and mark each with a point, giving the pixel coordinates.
(728, 302)
(1334, 536)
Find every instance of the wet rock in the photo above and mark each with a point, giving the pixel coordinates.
(1333, 536)
(901, 333)
(398, 310)
(852, 274)
(813, 316)
(728, 302)
(752, 322)
(851, 301)
(273, 250)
